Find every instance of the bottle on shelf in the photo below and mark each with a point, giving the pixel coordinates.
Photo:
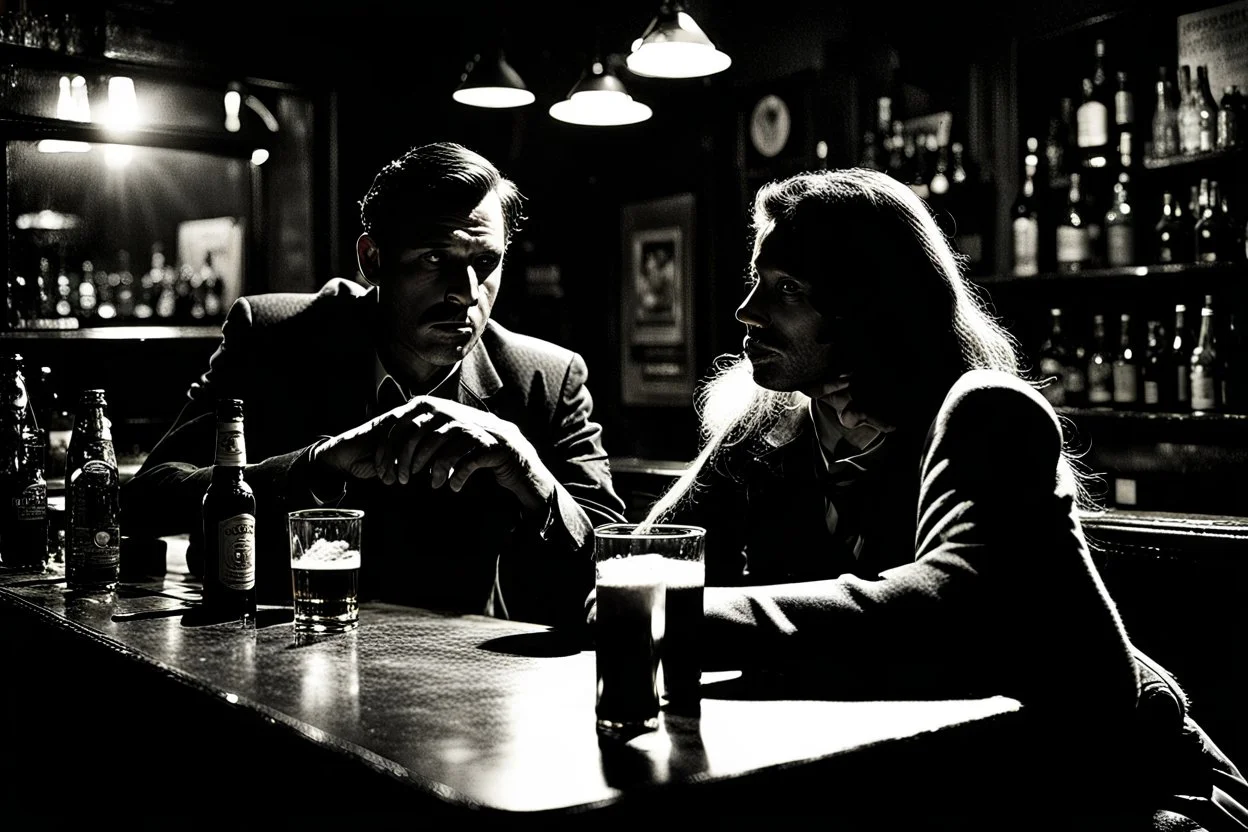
(1126, 367)
(57, 420)
(1207, 139)
(1059, 146)
(1100, 366)
(1180, 359)
(24, 500)
(1120, 226)
(1124, 123)
(1189, 112)
(1165, 117)
(1092, 121)
(1156, 380)
(1026, 217)
(1231, 354)
(897, 152)
(1074, 244)
(1230, 115)
(1173, 233)
(1204, 363)
(229, 520)
(1211, 229)
(92, 500)
(1054, 357)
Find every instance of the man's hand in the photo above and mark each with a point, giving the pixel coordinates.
(448, 440)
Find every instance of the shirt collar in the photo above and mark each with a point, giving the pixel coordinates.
(380, 374)
(838, 445)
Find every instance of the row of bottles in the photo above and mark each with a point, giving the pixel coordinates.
(92, 487)
(1197, 227)
(940, 171)
(59, 293)
(1189, 119)
(1168, 369)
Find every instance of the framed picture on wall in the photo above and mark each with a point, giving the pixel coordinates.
(656, 320)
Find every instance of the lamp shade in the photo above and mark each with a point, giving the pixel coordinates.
(492, 83)
(674, 46)
(600, 100)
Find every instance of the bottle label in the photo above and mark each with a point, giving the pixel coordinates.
(231, 446)
(1093, 124)
(1206, 139)
(1075, 381)
(1126, 384)
(1073, 245)
(93, 540)
(1121, 245)
(1054, 390)
(1124, 107)
(1100, 383)
(31, 503)
(1026, 246)
(1202, 390)
(237, 555)
(1152, 392)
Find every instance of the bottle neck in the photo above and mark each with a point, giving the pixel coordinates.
(231, 445)
(1206, 328)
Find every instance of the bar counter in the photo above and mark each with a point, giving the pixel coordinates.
(125, 696)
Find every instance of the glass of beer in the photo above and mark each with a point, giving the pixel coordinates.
(656, 569)
(325, 568)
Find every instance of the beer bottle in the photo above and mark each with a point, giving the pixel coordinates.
(24, 505)
(229, 516)
(92, 499)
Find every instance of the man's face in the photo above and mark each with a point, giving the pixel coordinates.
(436, 292)
(786, 336)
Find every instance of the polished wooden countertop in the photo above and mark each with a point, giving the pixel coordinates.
(497, 717)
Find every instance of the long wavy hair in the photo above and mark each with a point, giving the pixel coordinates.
(910, 281)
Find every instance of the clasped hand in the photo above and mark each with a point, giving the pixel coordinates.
(449, 440)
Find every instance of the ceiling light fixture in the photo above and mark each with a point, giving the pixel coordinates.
(492, 83)
(674, 46)
(600, 100)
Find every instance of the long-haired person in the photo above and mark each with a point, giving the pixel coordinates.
(891, 509)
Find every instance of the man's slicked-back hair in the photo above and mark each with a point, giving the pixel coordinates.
(430, 182)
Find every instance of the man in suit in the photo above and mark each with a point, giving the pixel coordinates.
(471, 448)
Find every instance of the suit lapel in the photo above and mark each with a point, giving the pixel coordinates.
(478, 379)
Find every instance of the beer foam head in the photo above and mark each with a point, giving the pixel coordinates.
(636, 570)
(683, 574)
(330, 554)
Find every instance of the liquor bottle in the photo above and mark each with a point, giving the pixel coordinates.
(1054, 357)
(1156, 380)
(1204, 361)
(1231, 352)
(1211, 228)
(1230, 113)
(1092, 124)
(1174, 236)
(1120, 225)
(897, 152)
(1059, 146)
(24, 500)
(92, 499)
(1100, 366)
(1074, 247)
(1124, 122)
(1165, 117)
(1189, 112)
(1180, 358)
(1026, 213)
(1126, 368)
(1208, 110)
(229, 518)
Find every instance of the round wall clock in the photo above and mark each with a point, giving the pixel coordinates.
(770, 125)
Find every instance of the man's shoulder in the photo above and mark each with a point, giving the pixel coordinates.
(523, 353)
(275, 307)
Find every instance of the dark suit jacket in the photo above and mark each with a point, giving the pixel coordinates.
(303, 366)
(763, 508)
